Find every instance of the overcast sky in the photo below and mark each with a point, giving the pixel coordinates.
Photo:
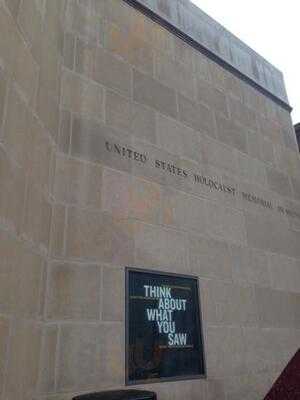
(271, 28)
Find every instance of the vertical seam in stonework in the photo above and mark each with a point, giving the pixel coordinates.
(104, 104)
(39, 375)
(6, 362)
(65, 231)
(73, 50)
(177, 105)
(43, 286)
(56, 363)
(35, 96)
(195, 85)
(47, 289)
(215, 125)
(70, 133)
(101, 292)
(5, 108)
(131, 83)
(26, 195)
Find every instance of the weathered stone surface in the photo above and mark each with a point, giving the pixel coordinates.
(129, 116)
(145, 201)
(39, 156)
(81, 96)
(21, 272)
(94, 236)
(210, 258)
(77, 182)
(30, 20)
(25, 72)
(251, 170)
(214, 98)
(4, 334)
(196, 116)
(57, 236)
(271, 233)
(82, 20)
(73, 292)
(16, 130)
(131, 47)
(232, 134)
(25, 344)
(242, 114)
(217, 155)
(161, 39)
(250, 266)
(46, 381)
(101, 66)
(64, 134)
(184, 54)
(48, 57)
(242, 386)
(202, 67)
(13, 6)
(226, 223)
(152, 93)
(12, 184)
(79, 357)
(272, 306)
(37, 217)
(32, 269)
(177, 138)
(175, 75)
(69, 50)
(270, 129)
(159, 248)
(126, 196)
(113, 300)
(296, 187)
(285, 273)
(93, 141)
(185, 212)
(120, 14)
(97, 353)
(112, 345)
(278, 182)
(116, 193)
(46, 102)
(225, 351)
(3, 90)
(287, 160)
(228, 304)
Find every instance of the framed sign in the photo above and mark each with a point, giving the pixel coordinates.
(164, 340)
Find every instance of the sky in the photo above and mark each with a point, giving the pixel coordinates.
(271, 28)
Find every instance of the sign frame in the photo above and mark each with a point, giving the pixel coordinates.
(199, 317)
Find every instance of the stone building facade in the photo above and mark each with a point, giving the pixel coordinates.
(101, 109)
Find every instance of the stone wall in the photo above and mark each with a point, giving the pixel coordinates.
(190, 20)
(31, 40)
(92, 95)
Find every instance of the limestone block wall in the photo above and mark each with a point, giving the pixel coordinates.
(31, 46)
(106, 118)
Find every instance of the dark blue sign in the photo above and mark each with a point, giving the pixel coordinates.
(164, 335)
